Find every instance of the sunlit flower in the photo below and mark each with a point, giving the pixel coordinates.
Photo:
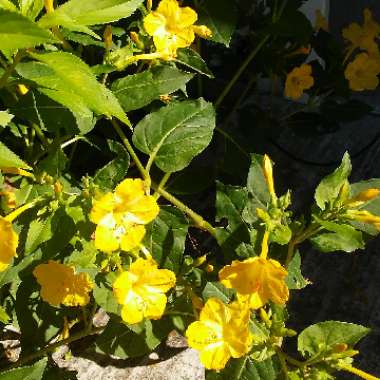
(362, 73)
(256, 279)
(8, 243)
(141, 290)
(121, 215)
(298, 80)
(363, 37)
(172, 27)
(61, 285)
(320, 21)
(222, 332)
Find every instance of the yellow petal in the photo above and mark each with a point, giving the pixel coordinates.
(200, 334)
(106, 240)
(133, 311)
(8, 243)
(132, 238)
(215, 356)
(154, 23)
(101, 208)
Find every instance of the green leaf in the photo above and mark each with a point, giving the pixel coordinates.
(175, 134)
(55, 163)
(166, 237)
(258, 193)
(103, 293)
(5, 118)
(230, 203)
(220, 16)
(246, 368)
(39, 232)
(4, 317)
(54, 116)
(218, 290)
(138, 90)
(295, 279)
(324, 336)
(33, 372)
(79, 14)
(31, 8)
(192, 60)
(8, 5)
(8, 159)
(69, 81)
(133, 340)
(18, 32)
(111, 174)
(342, 237)
(329, 188)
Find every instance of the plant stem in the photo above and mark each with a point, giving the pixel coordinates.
(199, 221)
(40, 135)
(9, 70)
(232, 140)
(130, 149)
(240, 71)
(284, 367)
(52, 347)
(162, 184)
(358, 372)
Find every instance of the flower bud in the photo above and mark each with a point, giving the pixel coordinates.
(49, 6)
(22, 89)
(107, 37)
(268, 174)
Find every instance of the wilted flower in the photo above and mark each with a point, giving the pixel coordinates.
(61, 285)
(362, 72)
(172, 27)
(141, 290)
(222, 332)
(120, 216)
(298, 80)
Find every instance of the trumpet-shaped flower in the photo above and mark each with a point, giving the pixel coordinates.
(363, 37)
(257, 280)
(364, 217)
(362, 73)
(141, 290)
(364, 196)
(8, 243)
(222, 332)
(121, 215)
(172, 27)
(298, 80)
(61, 285)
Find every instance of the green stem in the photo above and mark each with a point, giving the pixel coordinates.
(40, 135)
(52, 347)
(162, 184)
(130, 149)
(228, 137)
(9, 70)
(199, 221)
(284, 367)
(240, 71)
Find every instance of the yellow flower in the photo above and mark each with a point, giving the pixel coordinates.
(8, 243)
(362, 72)
(61, 285)
(172, 27)
(257, 280)
(120, 216)
(298, 80)
(141, 290)
(222, 332)
(320, 21)
(363, 37)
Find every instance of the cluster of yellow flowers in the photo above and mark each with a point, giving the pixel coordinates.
(223, 331)
(362, 73)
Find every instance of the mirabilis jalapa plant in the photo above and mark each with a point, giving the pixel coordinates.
(72, 244)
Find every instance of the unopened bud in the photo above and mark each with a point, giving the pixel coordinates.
(268, 174)
(202, 31)
(136, 39)
(365, 196)
(149, 5)
(200, 260)
(49, 6)
(340, 347)
(209, 268)
(57, 187)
